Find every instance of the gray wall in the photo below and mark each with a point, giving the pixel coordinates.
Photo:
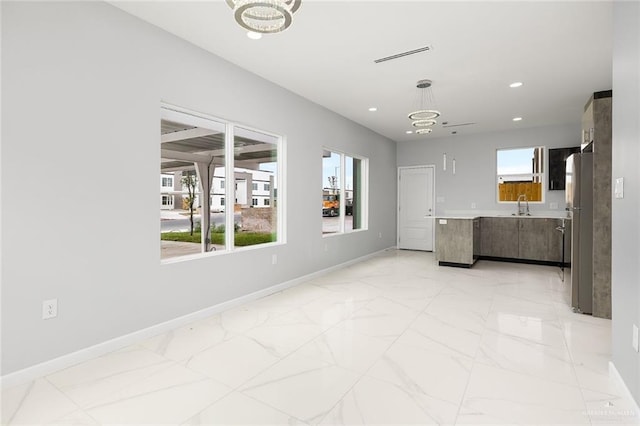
(82, 84)
(625, 231)
(475, 178)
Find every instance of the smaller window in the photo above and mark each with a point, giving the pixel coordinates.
(167, 200)
(520, 173)
(222, 184)
(254, 201)
(267, 187)
(254, 186)
(222, 201)
(344, 190)
(267, 202)
(167, 182)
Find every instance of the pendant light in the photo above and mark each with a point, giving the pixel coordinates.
(424, 118)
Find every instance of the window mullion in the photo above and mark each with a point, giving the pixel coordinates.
(229, 192)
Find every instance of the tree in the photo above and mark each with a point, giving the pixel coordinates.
(190, 181)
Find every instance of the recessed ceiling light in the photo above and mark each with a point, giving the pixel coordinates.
(515, 84)
(517, 118)
(373, 109)
(254, 35)
(409, 132)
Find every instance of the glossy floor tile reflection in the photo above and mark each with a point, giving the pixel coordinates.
(392, 340)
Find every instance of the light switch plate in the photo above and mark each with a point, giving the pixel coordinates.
(619, 188)
(442, 221)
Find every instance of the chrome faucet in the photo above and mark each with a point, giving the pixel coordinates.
(521, 208)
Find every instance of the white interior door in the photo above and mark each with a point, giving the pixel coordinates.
(415, 208)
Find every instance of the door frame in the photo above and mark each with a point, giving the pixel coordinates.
(433, 202)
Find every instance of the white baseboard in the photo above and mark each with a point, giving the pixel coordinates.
(614, 371)
(48, 367)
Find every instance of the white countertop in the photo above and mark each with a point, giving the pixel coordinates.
(471, 217)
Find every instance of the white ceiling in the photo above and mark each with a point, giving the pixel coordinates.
(561, 51)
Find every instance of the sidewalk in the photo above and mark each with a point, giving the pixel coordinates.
(176, 214)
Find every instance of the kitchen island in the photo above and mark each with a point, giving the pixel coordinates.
(457, 241)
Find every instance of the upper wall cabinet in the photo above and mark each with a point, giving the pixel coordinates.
(557, 166)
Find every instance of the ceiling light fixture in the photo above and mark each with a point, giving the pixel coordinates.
(515, 84)
(425, 116)
(254, 35)
(409, 132)
(373, 109)
(517, 118)
(264, 16)
(424, 123)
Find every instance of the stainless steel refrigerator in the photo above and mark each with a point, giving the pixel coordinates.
(579, 197)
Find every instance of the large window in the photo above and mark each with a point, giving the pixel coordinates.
(344, 192)
(199, 154)
(520, 174)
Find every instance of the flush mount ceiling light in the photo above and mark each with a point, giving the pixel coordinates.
(373, 109)
(424, 131)
(425, 115)
(264, 16)
(515, 84)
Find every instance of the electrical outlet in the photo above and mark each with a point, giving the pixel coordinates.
(473, 205)
(50, 309)
(274, 259)
(634, 338)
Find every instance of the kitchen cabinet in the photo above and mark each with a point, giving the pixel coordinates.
(499, 237)
(462, 241)
(523, 238)
(597, 138)
(457, 241)
(533, 241)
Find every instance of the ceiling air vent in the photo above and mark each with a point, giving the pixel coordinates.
(400, 55)
(457, 125)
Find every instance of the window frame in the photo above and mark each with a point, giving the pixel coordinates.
(540, 175)
(364, 215)
(229, 194)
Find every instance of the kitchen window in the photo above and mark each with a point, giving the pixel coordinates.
(520, 174)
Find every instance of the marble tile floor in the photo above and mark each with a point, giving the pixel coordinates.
(392, 340)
